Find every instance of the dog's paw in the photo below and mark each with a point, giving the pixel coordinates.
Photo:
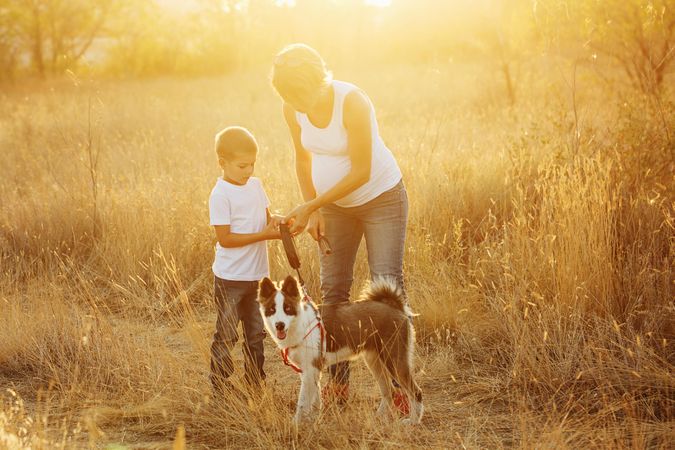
(385, 411)
(302, 418)
(299, 422)
(385, 414)
(409, 422)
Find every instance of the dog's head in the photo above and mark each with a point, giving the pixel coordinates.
(279, 307)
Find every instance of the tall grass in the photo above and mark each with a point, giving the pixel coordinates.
(540, 262)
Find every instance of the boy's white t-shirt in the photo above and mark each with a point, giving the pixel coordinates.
(243, 208)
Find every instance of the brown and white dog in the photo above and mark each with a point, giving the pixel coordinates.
(377, 327)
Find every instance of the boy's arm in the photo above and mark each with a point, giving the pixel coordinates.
(227, 239)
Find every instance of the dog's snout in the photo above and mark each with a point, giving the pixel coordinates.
(280, 326)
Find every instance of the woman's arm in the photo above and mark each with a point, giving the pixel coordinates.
(303, 171)
(356, 119)
(303, 158)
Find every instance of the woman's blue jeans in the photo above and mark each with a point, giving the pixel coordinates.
(383, 222)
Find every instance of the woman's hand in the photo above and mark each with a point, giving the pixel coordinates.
(316, 226)
(299, 217)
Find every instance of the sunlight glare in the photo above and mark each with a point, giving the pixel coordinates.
(379, 3)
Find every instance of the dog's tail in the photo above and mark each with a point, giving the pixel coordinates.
(387, 290)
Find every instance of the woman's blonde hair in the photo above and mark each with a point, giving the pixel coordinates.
(299, 69)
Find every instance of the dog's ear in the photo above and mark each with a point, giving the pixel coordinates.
(290, 287)
(266, 288)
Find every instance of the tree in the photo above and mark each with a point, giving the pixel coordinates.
(507, 36)
(55, 34)
(639, 35)
(9, 41)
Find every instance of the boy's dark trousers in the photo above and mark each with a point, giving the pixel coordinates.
(236, 301)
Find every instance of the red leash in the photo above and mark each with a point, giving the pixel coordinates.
(284, 352)
(294, 261)
(319, 325)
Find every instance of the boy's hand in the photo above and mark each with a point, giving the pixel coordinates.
(271, 230)
(276, 219)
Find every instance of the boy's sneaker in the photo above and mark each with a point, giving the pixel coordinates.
(333, 393)
(401, 402)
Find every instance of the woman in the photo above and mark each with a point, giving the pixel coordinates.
(349, 179)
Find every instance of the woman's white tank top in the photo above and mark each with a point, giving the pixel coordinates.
(330, 160)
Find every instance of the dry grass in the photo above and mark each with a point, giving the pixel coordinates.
(541, 265)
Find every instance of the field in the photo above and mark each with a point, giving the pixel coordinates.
(539, 257)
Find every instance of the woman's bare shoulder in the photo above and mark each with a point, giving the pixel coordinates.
(356, 106)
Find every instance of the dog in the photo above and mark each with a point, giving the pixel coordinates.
(377, 327)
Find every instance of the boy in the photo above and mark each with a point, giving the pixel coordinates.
(239, 213)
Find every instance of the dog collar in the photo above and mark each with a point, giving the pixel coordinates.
(284, 351)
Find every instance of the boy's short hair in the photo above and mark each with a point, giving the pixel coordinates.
(233, 141)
